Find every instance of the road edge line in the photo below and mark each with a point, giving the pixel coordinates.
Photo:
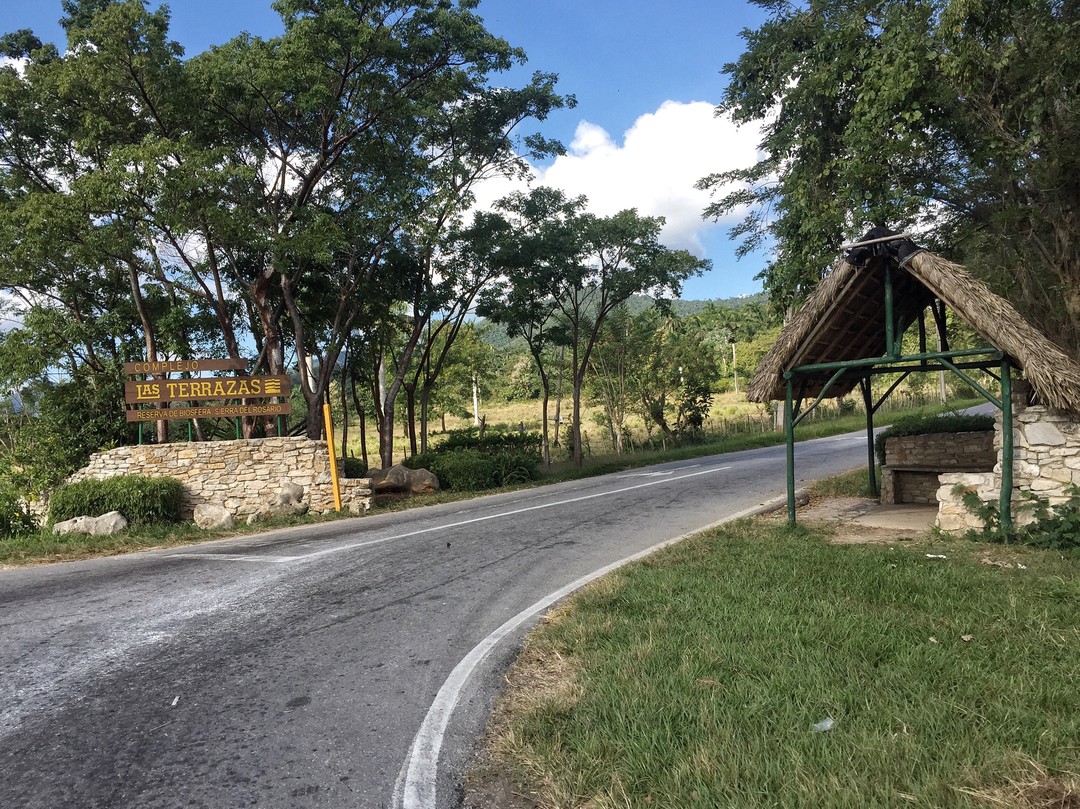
(415, 784)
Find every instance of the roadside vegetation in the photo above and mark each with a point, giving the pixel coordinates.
(757, 665)
(23, 541)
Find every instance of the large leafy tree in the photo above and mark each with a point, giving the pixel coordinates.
(572, 269)
(953, 117)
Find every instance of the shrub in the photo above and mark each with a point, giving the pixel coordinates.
(142, 500)
(469, 438)
(15, 520)
(355, 467)
(473, 470)
(1053, 528)
(467, 462)
(923, 424)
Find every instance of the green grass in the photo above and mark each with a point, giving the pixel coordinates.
(699, 672)
(855, 483)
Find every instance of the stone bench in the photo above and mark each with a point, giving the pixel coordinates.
(913, 463)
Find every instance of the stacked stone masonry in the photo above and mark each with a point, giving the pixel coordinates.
(243, 476)
(1046, 462)
(913, 463)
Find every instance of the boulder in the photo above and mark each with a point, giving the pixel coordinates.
(76, 525)
(209, 516)
(286, 503)
(110, 523)
(104, 525)
(291, 494)
(399, 478)
(421, 481)
(394, 479)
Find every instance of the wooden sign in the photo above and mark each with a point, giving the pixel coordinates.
(186, 390)
(184, 366)
(210, 412)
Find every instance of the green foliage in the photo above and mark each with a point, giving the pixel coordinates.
(58, 430)
(354, 467)
(1054, 527)
(491, 441)
(142, 500)
(472, 469)
(15, 520)
(914, 113)
(465, 461)
(924, 424)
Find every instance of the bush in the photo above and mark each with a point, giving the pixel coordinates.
(355, 467)
(142, 500)
(473, 470)
(15, 520)
(469, 438)
(923, 424)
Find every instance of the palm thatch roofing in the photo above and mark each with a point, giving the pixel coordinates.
(844, 320)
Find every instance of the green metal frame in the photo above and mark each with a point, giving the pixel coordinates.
(895, 361)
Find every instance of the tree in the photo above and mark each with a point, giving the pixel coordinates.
(534, 245)
(572, 269)
(952, 117)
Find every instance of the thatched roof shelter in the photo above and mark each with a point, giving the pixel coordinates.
(844, 320)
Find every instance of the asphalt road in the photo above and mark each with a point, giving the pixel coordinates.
(350, 664)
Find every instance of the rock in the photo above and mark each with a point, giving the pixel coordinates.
(110, 523)
(76, 525)
(209, 517)
(402, 479)
(421, 481)
(287, 503)
(394, 479)
(291, 494)
(101, 526)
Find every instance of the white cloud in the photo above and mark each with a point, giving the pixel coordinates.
(654, 169)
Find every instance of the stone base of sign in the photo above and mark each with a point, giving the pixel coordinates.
(242, 476)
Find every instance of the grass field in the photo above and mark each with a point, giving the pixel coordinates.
(695, 679)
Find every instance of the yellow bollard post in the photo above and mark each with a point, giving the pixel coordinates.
(333, 457)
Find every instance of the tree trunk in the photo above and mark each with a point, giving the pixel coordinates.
(558, 396)
(361, 418)
(344, 415)
(410, 415)
(475, 401)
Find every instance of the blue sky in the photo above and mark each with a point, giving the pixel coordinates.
(646, 76)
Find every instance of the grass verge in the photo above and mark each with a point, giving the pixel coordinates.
(693, 679)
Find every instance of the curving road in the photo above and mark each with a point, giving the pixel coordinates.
(350, 664)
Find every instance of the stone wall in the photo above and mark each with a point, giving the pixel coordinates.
(913, 462)
(953, 515)
(243, 476)
(1046, 461)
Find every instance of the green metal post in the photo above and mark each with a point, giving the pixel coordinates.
(868, 402)
(1005, 503)
(238, 433)
(789, 429)
(140, 432)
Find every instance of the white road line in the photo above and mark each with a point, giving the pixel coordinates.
(235, 557)
(501, 514)
(415, 785)
(238, 557)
